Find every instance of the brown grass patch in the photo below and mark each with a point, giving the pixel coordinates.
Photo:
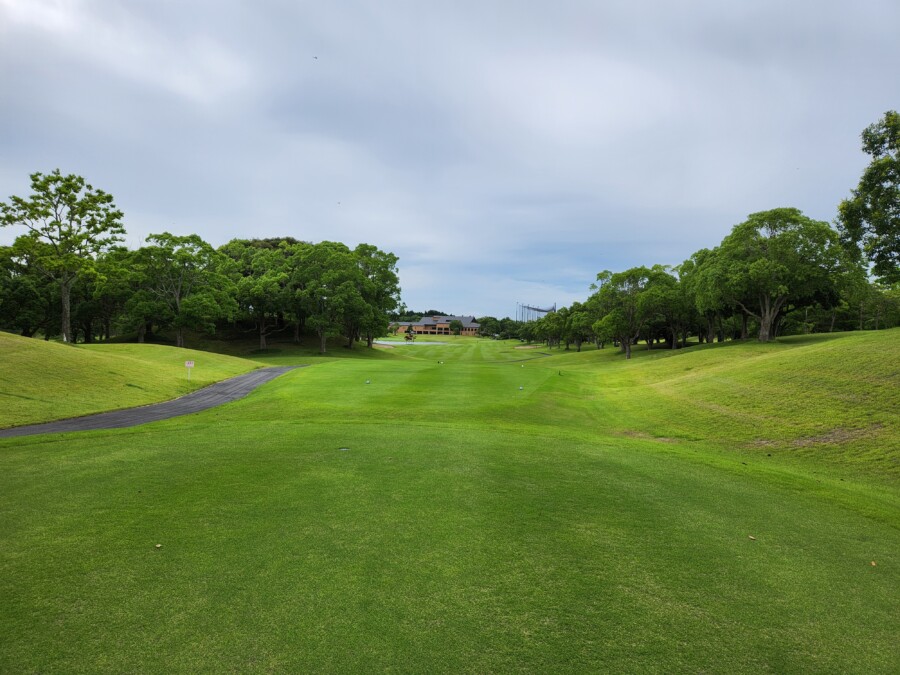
(835, 436)
(647, 437)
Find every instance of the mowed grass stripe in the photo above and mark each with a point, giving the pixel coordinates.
(478, 551)
(440, 519)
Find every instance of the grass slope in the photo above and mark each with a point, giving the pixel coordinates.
(441, 519)
(42, 381)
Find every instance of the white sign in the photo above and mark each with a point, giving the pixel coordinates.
(188, 364)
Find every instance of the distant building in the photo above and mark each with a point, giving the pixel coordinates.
(437, 325)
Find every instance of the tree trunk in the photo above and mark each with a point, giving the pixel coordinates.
(142, 331)
(65, 289)
(626, 346)
(768, 312)
(179, 337)
(833, 315)
(296, 332)
(321, 341)
(743, 325)
(262, 334)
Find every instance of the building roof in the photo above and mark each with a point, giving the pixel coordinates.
(466, 321)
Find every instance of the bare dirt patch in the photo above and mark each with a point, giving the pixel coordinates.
(647, 437)
(835, 436)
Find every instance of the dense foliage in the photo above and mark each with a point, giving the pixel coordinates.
(181, 283)
(871, 216)
(778, 272)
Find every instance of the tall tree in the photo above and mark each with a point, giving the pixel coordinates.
(69, 223)
(620, 296)
(488, 326)
(871, 217)
(578, 324)
(776, 259)
(29, 301)
(329, 289)
(704, 277)
(185, 275)
(296, 252)
(379, 287)
(111, 288)
(666, 298)
(262, 291)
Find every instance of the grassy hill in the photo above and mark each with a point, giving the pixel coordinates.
(42, 381)
(477, 507)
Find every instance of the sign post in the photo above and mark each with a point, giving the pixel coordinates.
(189, 365)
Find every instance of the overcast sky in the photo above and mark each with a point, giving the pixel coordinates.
(505, 151)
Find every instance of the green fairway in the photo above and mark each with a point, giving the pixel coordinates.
(476, 507)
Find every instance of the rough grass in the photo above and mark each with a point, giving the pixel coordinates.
(440, 519)
(42, 381)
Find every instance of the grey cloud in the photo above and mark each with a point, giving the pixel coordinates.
(514, 148)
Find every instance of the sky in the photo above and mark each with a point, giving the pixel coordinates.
(505, 151)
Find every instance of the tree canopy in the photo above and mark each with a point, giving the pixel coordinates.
(871, 216)
(773, 259)
(69, 224)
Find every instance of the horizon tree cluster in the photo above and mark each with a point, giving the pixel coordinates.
(70, 276)
(777, 272)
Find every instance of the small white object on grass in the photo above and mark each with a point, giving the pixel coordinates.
(159, 546)
(367, 382)
(521, 388)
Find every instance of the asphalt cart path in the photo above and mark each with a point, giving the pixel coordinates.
(202, 399)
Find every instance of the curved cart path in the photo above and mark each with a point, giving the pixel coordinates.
(208, 397)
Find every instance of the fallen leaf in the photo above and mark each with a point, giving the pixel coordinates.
(752, 537)
(874, 564)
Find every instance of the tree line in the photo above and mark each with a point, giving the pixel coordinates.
(68, 275)
(779, 271)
